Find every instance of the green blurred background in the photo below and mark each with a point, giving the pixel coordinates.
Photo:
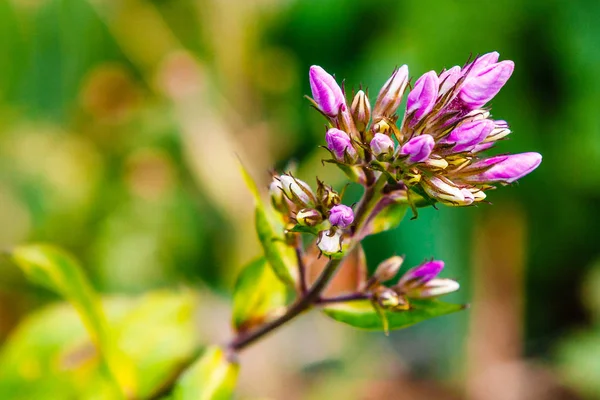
(121, 124)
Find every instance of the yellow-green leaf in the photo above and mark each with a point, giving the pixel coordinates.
(58, 271)
(49, 355)
(211, 377)
(258, 293)
(361, 314)
(384, 217)
(280, 256)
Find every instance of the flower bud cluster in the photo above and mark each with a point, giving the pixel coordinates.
(323, 211)
(436, 150)
(420, 282)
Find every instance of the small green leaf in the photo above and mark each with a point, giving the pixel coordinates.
(384, 217)
(280, 256)
(58, 271)
(361, 314)
(211, 377)
(258, 293)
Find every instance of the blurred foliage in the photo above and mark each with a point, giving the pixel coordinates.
(122, 120)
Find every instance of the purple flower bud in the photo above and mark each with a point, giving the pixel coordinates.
(341, 216)
(423, 96)
(326, 92)
(382, 145)
(340, 144)
(449, 78)
(420, 275)
(481, 86)
(483, 61)
(436, 287)
(418, 148)
(390, 95)
(506, 168)
(466, 136)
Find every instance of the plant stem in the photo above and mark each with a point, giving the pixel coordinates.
(341, 299)
(301, 305)
(301, 266)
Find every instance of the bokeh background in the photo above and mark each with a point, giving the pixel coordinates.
(121, 122)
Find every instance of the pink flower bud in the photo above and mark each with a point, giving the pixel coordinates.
(326, 92)
(500, 131)
(341, 216)
(390, 95)
(381, 145)
(506, 168)
(444, 191)
(418, 148)
(420, 275)
(423, 96)
(466, 136)
(449, 78)
(340, 144)
(481, 85)
(297, 191)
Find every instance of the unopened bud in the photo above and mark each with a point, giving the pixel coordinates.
(388, 269)
(327, 94)
(327, 196)
(330, 242)
(391, 93)
(339, 143)
(418, 276)
(500, 131)
(341, 216)
(278, 199)
(422, 98)
(382, 146)
(435, 287)
(444, 191)
(468, 135)
(309, 217)
(387, 298)
(418, 149)
(437, 163)
(297, 191)
(361, 110)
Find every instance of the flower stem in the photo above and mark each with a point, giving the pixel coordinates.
(344, 298)
(301, 305)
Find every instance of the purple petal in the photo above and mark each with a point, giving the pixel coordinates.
(505, 168)
(390, 95)
(466, 136)
(422, 98)
(420, 275)
(326, 92)
(418, 148)
(481, 87)
(483, 61)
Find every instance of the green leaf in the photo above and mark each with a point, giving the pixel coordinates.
(361, 314)
(49, 355)
(257, 294)
(280, 256)
(58, 271)
(211, 377)
(387, 218)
